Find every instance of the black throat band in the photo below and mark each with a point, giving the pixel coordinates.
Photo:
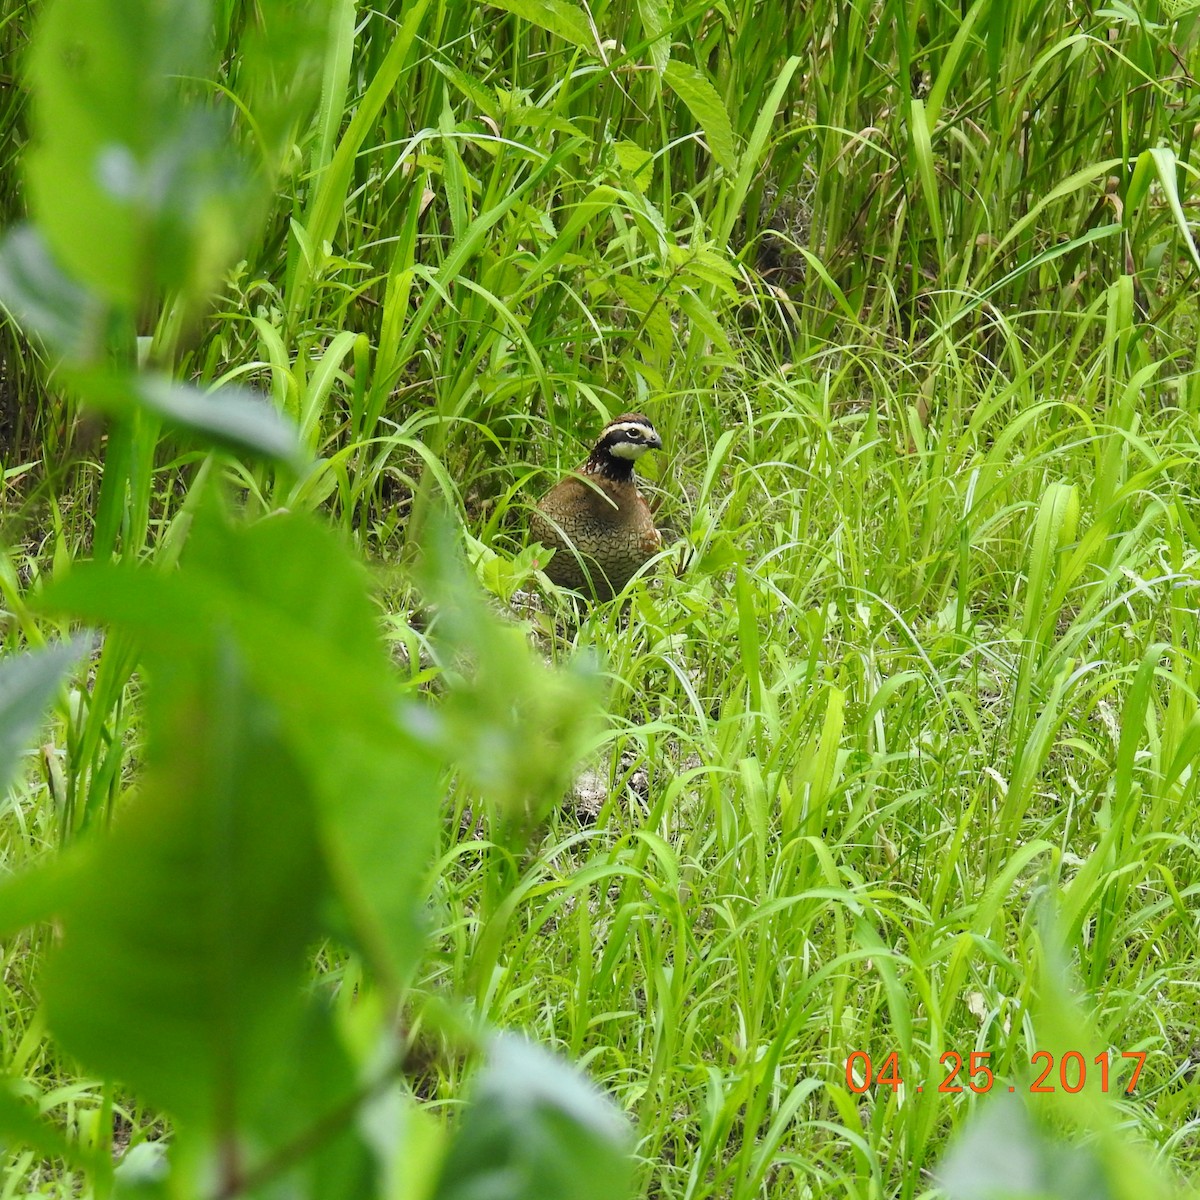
(601, 462)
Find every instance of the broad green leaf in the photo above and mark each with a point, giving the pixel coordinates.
(558, 17)
(44, 301)
(150, 602)
(320, 384)
(748, 638)
(297, 605)
(703, 101)
(232, 418)
(301, 608)
(37, 895)
(280, 779)
(334, 82)
(536, 1127)
(184, 981)
(1133, 725)
(1057, 521)
(134, 187)
(1162, 160)
(134, 177)
(635, 162)
(28, 683)
(922, 148)
(707, 322)
(514, 726)
(485, 100)
(1001, 1155)
(313, 1098)
(648, 313)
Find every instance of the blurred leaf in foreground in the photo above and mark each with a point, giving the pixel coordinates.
(296, 605)
(516, 726)
(1003, 1155)
(184, 980)
(182, 961)
(280, 789)
(536, 1127)
(135, 177)
(27, 685)
(45, 301)
(232, 417)
(123, 168)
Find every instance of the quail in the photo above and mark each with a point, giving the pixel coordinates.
(596, 520)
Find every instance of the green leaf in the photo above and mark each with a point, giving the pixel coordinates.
(232, 418)
(44, 301)
(636, 162)
(515, 727)
(1165, 165)
(143, 1173)
(276, 761)
(184, 980)
(536, 1127)
(703, 101)
(335, 80)
(28, 682)
(301, 608)
(1002, 1154)
(134, 187)
(310, 1142)
(37, 895)
(555, 16)
(297, 605)
(922, 148)
(136, 176)
(1057, 521)
(656, 20)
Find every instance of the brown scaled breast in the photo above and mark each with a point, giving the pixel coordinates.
(596, 520)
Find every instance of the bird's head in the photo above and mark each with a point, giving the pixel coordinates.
(624, 440)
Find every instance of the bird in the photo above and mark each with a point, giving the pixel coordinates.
(595, 519)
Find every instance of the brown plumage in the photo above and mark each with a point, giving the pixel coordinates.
(596, 519)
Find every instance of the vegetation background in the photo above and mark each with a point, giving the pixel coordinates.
(898, 746)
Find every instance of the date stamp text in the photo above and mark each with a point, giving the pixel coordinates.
(1072, 1074)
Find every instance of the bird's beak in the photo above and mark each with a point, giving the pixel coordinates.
(654, 443)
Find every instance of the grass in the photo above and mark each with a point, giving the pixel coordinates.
(901, 737)
(858, 782)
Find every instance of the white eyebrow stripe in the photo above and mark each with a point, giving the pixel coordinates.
(628, 426)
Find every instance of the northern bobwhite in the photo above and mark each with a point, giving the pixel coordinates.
(596, 519)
